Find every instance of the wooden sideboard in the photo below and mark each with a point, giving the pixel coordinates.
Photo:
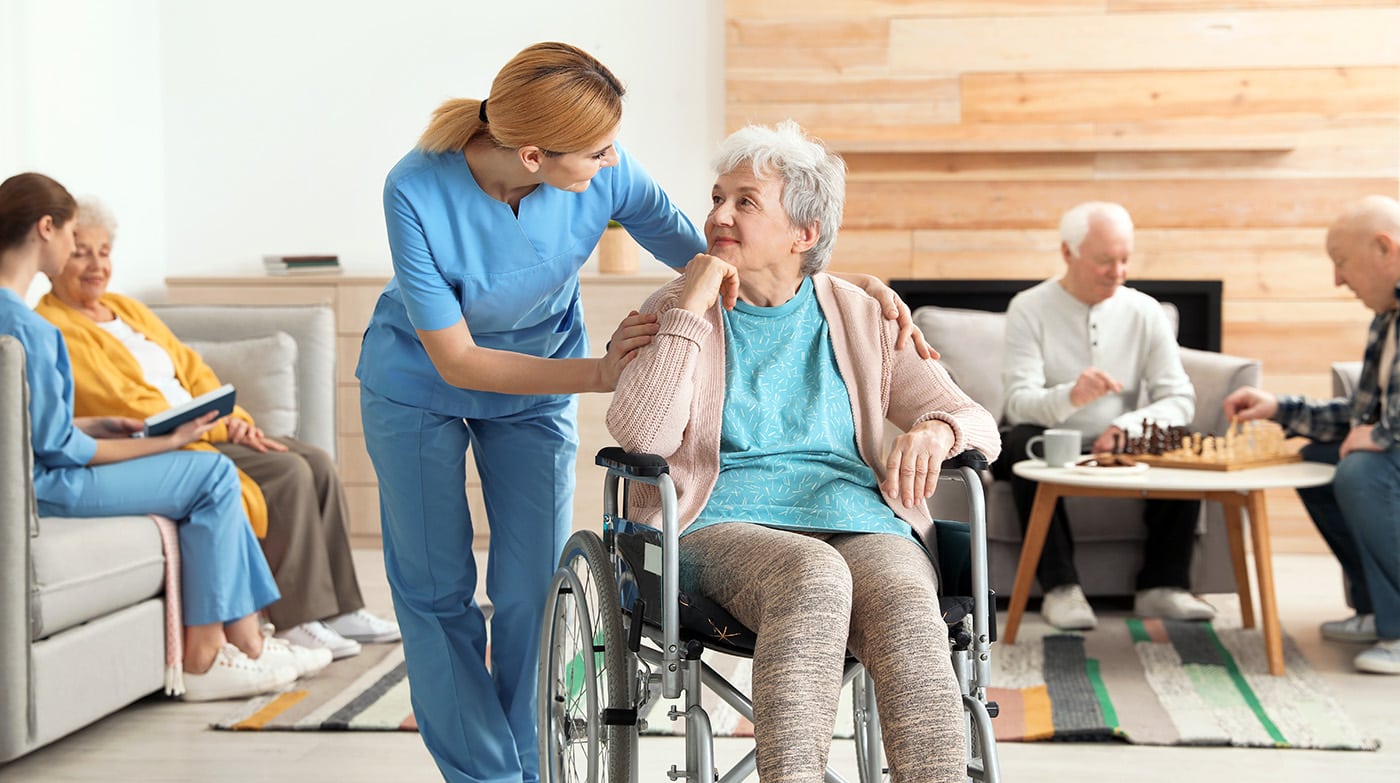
(606, 298)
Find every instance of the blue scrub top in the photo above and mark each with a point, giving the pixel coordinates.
(59, 446)
(458, 253)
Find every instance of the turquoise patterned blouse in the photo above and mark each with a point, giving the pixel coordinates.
(788, 456)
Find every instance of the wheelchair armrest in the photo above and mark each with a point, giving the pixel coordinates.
(631, 463)
(972, 458)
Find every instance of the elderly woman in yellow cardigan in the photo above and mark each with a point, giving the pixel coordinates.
(127, 362)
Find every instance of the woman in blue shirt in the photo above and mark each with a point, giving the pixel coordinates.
(478, 341)
(92, 467)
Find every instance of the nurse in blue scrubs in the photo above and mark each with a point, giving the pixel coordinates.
(478, 343)
(91, 467)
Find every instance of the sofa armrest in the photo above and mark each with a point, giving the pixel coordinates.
(1214, 376)
(313, 329)
(18, 521)
(1344, 378)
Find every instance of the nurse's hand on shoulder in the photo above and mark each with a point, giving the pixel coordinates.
(706, 279)
(894, 309)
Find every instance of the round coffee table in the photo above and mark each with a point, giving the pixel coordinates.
(1234, 490)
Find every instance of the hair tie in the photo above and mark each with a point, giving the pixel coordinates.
(481, 113)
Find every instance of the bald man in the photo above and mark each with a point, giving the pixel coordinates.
(1359, 512)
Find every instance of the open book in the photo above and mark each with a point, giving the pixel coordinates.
(221, 400)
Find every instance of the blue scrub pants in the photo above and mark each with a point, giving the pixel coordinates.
(223, 574)
(478, 723)
(1358, 514)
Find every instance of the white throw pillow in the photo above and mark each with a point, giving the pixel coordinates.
(263, 370)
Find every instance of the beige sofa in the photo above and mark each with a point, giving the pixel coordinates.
(82, 624)
(1108, 533)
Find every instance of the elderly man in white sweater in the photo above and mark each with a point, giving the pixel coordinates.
(1081, 352)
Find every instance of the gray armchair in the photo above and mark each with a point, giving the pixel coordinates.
(1108, 533)
(82, 611)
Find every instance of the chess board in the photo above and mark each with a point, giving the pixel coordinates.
(1198, 464)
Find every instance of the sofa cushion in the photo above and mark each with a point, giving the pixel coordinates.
(263, 369)
(970, 344)
(87, 568)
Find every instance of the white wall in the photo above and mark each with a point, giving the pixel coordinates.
(218, 132)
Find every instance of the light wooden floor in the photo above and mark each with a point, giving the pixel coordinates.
(159, 740)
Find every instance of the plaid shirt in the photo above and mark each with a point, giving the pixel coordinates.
(1331, 420)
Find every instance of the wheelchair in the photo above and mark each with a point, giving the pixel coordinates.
(618, 631)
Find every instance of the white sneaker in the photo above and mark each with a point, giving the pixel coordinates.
(236, 676)
(316, 635)
(305, 661)
(1382, 658)
(1066, 608)
(362, 626)
(1357, 628)
(1171, 603)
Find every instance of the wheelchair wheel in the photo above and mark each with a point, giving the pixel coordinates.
(870, 748)
(582, 677)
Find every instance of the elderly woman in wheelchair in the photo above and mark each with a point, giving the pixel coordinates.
(766, 390)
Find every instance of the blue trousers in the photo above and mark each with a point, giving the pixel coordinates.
(478, 723)
(1358, 514)
(223, 575)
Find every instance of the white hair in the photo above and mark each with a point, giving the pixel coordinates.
(814, 179)
(92, 213)
(1074, 226)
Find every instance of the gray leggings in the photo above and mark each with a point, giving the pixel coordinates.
(810, 596)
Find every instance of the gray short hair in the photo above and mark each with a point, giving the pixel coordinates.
(814, 179)
(92, 213)
(1074, 226)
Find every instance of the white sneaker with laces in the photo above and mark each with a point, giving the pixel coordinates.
(1357, 628)
(305, 661)
(236, 676)
(1383, 657)
(1066, 608)
(362, 626)
(1171, 603)
(316, 634)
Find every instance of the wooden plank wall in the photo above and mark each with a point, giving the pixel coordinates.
(1232, 131)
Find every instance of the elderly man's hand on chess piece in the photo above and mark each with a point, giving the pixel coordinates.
(1110, 441)
(1247, 402)
(1092, 384)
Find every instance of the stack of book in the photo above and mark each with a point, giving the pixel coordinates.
(301, 265)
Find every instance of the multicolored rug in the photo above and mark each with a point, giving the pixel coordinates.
(366, 693)
(1147, 682)
(1154, 682)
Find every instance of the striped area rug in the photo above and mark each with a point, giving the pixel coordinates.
(1154, 682)
(366, 693)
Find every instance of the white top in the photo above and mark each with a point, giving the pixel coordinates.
(155, 362)
(1051, 338)
(1291, 475)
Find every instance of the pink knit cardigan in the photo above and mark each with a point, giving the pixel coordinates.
(670, 400)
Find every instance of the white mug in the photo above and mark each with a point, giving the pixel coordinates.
(1061, 447)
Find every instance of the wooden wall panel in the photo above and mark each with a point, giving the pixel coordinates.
(1140, 42)
(1233, 131)
(1153, 204)
(1126, 96)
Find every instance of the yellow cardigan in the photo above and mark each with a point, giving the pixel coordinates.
(107, 381)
